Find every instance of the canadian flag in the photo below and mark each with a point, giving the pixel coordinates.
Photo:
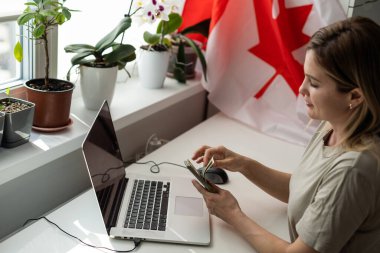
(255, 54)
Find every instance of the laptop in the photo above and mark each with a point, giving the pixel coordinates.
(148, 207)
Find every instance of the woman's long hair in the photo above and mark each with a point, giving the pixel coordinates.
(349, 52)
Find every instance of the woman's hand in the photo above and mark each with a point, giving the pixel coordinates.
(221, 204)
(223, 157)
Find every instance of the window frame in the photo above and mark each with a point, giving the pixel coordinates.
(32, 65)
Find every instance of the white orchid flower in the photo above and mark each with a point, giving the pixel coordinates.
(152, 10)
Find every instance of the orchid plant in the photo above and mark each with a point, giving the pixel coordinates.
(166, 13)
(106, 52)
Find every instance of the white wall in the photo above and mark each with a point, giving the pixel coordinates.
(371, 10)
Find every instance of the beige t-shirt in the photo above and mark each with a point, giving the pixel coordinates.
(334, 200)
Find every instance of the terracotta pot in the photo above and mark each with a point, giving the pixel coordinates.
(52, 107)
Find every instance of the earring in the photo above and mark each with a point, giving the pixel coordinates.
(350, 106)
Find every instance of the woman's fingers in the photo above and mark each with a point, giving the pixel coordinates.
(200, 152)
(205, 194)
(199, 159)
(199, 187)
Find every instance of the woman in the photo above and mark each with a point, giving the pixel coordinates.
(334, 195)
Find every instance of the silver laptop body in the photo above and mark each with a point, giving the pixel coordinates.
(179, 214)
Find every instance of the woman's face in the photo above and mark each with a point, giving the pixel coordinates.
(323, 100)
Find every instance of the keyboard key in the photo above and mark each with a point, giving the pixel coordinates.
(148, 205)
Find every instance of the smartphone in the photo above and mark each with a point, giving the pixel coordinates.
(206, 184)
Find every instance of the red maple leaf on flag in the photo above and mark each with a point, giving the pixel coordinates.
(279, 37)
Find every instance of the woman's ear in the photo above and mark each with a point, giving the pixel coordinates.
(356, 97)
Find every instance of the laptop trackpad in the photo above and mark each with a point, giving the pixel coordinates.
(188, 206)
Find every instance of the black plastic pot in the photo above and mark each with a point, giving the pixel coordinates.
(17, 125)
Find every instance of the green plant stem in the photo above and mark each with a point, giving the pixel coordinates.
(135, 12)
(122, 37)
(128, 15)
(162, 32)
(130, 8)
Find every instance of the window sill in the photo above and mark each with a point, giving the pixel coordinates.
(130, 104)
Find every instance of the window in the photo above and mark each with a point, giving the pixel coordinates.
(9, 68)
(11, 71)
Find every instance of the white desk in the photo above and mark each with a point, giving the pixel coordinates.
(81, 217)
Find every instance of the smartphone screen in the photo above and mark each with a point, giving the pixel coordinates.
(201, 179)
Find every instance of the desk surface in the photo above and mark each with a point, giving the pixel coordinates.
(82, 218)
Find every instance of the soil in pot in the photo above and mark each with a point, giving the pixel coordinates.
(54, 85)
(8, 106)
(157, 47)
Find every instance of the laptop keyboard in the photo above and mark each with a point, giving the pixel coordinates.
(148, 205)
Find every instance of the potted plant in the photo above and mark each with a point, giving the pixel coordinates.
(186, 52)
(52, 97)
(154, 57)
(98, 64)
(16, 117)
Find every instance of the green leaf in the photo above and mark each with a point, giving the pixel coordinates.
(179, 75)
(60, 18)
(39, 31)
(76, 48)
(30, 4)
(17, 51)
(129, 58)
(121, 63)
(8, 91)
(151, 39)
(199, 53)
(181, 56)
(170, 26)
(50, 3)
(107, 40)
(48, 13)
(119, 52)
(179, 70)
(202, 27)
(39, 19)
(66, 12)
(167, 42)
(24, 18)
(79, 57)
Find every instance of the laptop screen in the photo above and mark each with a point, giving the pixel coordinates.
(105, 165)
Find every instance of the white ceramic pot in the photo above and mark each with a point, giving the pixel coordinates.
(97, 85)
(152, 67)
